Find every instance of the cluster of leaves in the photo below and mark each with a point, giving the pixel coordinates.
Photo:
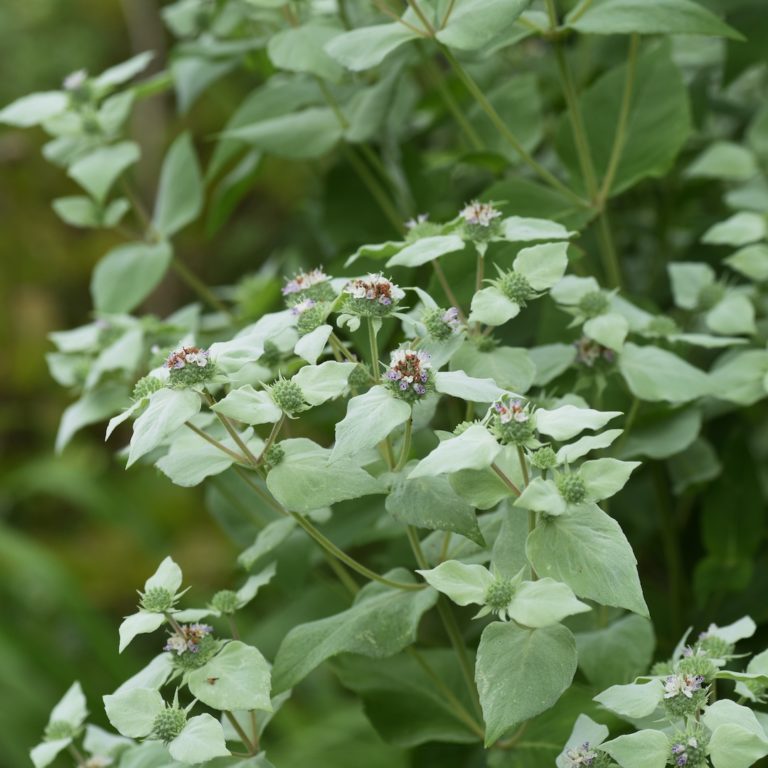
(468, 441)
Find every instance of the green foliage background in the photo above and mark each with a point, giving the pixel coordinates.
(78, 533)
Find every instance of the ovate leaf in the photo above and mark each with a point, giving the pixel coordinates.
(180, 193)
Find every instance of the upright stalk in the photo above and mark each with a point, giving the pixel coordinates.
(374, 345)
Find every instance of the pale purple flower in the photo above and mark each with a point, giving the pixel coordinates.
(304, 280)
(480, 214)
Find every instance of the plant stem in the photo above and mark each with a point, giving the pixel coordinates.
(276, 427)
(198, 286)
(77, 754)
(621, 126)
(447, 14)
(523, 464)
(450, 697)
(233, 433)
(449, 622)
(444, 284)
(446, 545)
(450, 102)
(213, 441)
(374, 346)
(233, 627)
(504, 479)
(502, 128)
(422, 18)
(608, 250)
(338, 345)
(580, 11)
(406, 447)
(241, 733)
(479, 270)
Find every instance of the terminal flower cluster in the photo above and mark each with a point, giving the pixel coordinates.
(189, 639)
(409, 373)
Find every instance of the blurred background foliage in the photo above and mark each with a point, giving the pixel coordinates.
(78, 534)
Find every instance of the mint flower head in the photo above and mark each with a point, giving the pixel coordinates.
(189, 365)
(315, 285)
(64, 724)
(192, 645)
(479, 214)
(309, 315)
(589, 352)
(409, 374)
(689, 748)
(582, 755)
(441, 323)
(372, 296)
(685, 694)
(511, 422)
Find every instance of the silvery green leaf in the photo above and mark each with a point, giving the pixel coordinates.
(570, 453)
(82, 339)
(375, 251)
(365, 47)
(323, 382)
(248, 406)
(123, 354)
(551, 360)
(739, 378)
(201, 740)
(180, 194)
(78, 211)
(538, 664)
(739, 630)
(139, 623)
(474, 24)
(688, 280)
(634, 700)
(381, 622)
(475, 448)
(542, 265)
(567, 421)
(248, 591)
(726, 711)
(588, 551)
(637, 318)
(610, 330)
(723, 160)
(133, 712)
(458, 384)
(44, 754)
(154, 675)
(585, 730)
(644, 749)
(491, 307)
(92, 407)
(370, 418)
(655, 375)
(168, 576)
(309, 477)
(606, 477)
(124, 71)
(735, 314)
(72, 708)
(518, 229)
(34, 109)
(707, 340)
(544, 602)
(98, 170)
(751, 261)
(510, 367)
(271, 536)
(571, 289)
(167, 411)
(740, 229)
(301, 49)
(541, 495)
(464, 584)
(238, 677)
(310, 346)
(426, 249)
(732, 746)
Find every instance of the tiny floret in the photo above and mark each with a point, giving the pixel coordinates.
(682, 685)
(582, 755)
(421, 218)
(689, 748)
(409, 374)
(189, 365)
(441, 323)
(189, 639)
(684, 694)
(511, 422)
(589, 352)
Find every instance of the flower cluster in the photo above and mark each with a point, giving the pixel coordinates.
(440, 323)
(145, 386)
(589, 352)
(309, 315)
(572, 487)
(684, 694)
(594, 303)
(689, 749)
(189, 639)
(582, 755)
(479, 214)
(499, 595)
(189, 365)
(287, 395)
(372, 296)
(515, 287)
(714, 645)
(409, 374)
(511, 422)
(314, 284)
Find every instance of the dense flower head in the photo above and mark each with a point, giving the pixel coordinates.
(373, 295)
(169, 723)
(145, 386)
(594, 303)
(225, 601)
(479, 214)
(515, 287)
(697, 663)
(274, 455)
(309, 315)
(307, 284)
(689, 748)
(157, 600)
(189, 365)
(684, 694)
(714, 645)
(589, 352)
(463, 426)
(499, 595)
(572, 487)
(287, 395)
(581, 756)
(409, 374)
(188, 639)
(544, 458)
(441, 323)
(511, 422)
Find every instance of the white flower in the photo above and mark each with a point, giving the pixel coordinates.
(75, 80)
(481, 214)
(304, 280)
(302, 307)
(422, 218)
(375, 287)
(685, 685)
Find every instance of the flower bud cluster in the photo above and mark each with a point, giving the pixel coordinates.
(225, 601)
(515, 287)
(572, 487)
(714, 646)
(315, 285)
(544, 458)
(309, 315)
(288, 396)
(511, 422)
(499, 595)
(157, 600)
(440, 323)
(409, 374)
(145, 386)
(189, 366)
(372, 296)
(274, 455)
(169, 723)
(594, 303)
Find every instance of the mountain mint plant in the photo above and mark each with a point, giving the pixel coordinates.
(446, 418)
